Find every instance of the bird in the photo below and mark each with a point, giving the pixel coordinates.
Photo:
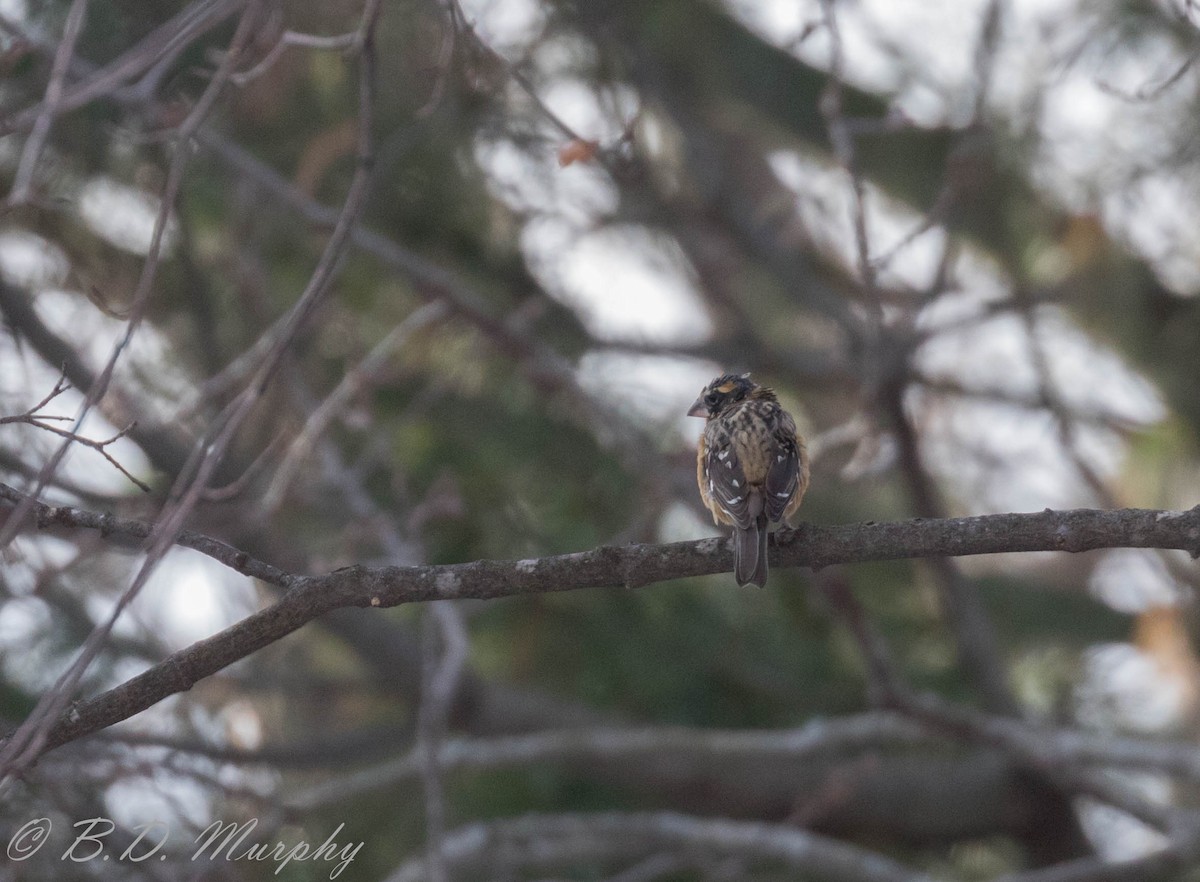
(751, 466)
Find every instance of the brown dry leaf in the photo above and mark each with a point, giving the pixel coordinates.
(577, 150)
(1161, 632)
(98, 299)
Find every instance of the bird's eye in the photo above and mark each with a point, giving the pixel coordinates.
(711, 399)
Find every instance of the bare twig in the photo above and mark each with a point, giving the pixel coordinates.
(441, 674)
(60, 386)
(351, 385)
(841, 139)
(38, 420)
(1093, 415)
(149, 272)
(23, 179)
(326, 750)
(1019, 740)
(985, 57)
(543, 366)
(961, 156)
(445, 56)
(239, 484)
(1052, 402)
(978, 647)
(870, 731)
(165, 41)
(887, 684)
(62, 519)
(1150, 92)
(26, 744)
(28, 738)
(99, 446)
(295, 38)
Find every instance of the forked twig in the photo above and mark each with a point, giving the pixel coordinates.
(34, 417)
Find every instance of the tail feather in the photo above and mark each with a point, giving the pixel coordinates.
(760, 570)
(746, 545)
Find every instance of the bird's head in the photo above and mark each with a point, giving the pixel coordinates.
(725, 390)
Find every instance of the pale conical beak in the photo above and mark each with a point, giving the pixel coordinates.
(698, 409)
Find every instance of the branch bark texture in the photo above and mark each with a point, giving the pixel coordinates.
(631, 566)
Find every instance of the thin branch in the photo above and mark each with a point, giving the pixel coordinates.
(978, 646)
(1052, 401)
(841, 139)
(352, 384)
(294, 38)
(543, 366)
(32, 151)
(1018, 740)
(887, 685)
(99, 446)
(986, 47)
(871, 731)
(431, 281)
(440, 678)
(1151, 92)
(38, 420)
(30, 739)
(27, 743)
(445, 56)
(1092, 415)
(133, 533)
(60, 387)
(962, 156)
(165, 41)
(149, 271)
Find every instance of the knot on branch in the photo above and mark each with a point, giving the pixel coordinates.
(51, 516)
(1066, 539)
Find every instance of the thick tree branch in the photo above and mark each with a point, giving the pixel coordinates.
(309, 597)
(717, 748)
(810, 545)
(549, 841)
(676, 745)
(1157, 866)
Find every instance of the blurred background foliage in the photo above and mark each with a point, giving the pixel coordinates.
(613, 203)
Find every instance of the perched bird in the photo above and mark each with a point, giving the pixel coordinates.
(751, 466)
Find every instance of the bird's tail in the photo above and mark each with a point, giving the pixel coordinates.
(750, 553)
(745, 553)
(760, 571)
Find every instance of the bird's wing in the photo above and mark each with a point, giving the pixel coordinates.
(783, 475)
(727, 482)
